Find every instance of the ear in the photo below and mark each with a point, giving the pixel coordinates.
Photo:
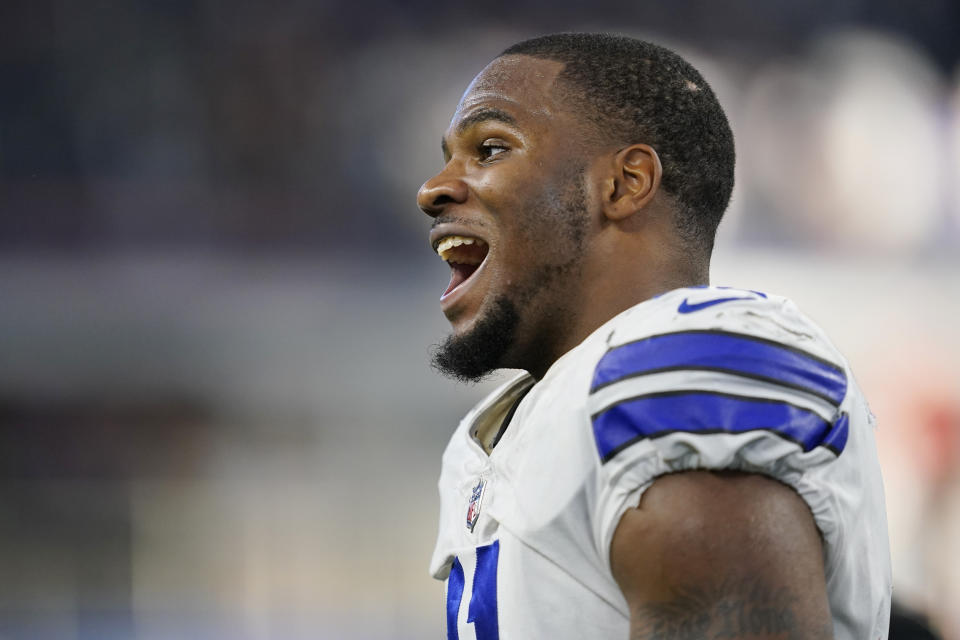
(637, 174)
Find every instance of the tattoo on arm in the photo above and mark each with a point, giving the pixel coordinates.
(734, 610)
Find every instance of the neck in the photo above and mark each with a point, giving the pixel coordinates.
(609, 296)
(596, 316)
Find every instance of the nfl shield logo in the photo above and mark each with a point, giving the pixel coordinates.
(473, 509)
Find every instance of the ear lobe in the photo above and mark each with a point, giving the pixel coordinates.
(638, 175)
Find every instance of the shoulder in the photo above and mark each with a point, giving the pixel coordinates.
(717, 361)
(719, 380)
(722, 310)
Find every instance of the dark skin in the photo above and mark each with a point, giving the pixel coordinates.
(704, 555)
(721, 555)
(494, 170)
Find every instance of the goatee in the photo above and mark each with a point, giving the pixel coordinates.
(471, 356)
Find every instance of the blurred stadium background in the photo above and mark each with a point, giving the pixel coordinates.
(217, 417)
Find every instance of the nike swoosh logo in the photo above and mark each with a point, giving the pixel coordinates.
(686, 307)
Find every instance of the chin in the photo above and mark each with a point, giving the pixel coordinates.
(478, 347)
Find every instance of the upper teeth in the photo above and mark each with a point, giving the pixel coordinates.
(449, 242)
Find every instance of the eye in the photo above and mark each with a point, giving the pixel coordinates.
(492, 147)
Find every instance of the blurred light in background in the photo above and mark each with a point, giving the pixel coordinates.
(848, 143)
(217, 419)
(882, 144)
(953, 162)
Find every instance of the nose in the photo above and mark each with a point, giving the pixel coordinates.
(441, 191)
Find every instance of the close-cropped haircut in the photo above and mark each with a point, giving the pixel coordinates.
(638, 92)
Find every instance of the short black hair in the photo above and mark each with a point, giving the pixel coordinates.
(636, 91)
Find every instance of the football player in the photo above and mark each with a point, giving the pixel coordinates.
(676, 460)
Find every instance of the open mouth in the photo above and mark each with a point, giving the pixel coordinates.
(464, 255)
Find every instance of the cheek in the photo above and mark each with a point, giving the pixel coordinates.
(501, 183)
(537, 216)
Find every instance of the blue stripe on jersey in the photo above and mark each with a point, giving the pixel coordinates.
(836, 440)
(454, 595)
(725, 352)
(483, 603)
(704, 412)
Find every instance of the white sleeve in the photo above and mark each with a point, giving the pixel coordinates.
(713, 398)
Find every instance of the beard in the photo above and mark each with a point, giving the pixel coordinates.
(471, 356)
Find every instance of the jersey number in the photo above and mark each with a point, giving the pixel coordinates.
(483, 599)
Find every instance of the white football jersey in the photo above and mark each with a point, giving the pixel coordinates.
(698, 378)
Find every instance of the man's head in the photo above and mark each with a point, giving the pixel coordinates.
(583, 174)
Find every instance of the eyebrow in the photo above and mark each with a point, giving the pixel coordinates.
(485, 114)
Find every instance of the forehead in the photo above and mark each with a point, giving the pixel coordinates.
(519, 85)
